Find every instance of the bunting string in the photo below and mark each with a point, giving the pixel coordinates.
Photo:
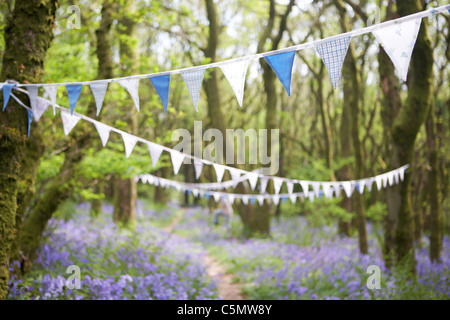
(318, 187)
(397, 37)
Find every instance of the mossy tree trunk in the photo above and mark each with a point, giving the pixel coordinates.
(125, 194)
(28, 35)
(61, 187)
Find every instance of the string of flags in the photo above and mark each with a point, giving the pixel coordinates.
(397, 37)
(328, 188)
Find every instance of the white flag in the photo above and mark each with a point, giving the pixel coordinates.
(361, 184)
(69, 121)
(390, 176)
(401, 172)
(193, 80)
(290, 187)
(398, 41)
(260, 200)
(378, 182)
(305, 187)
(220, 169)
(235, 73)
(231, 198)
(252, 179)
(311, 196)
(216, 196)
(155, 152)
(177, 160)
(129, 141)
(316, 187)
(293, 197)
(263, 184)
(245, 200)
(99, 90)
(369, 183)
(384, 179)
(235, 173)
(50, 92)
(132, 86)
(327, 190)
(32, 95)
(276, 200)
(336, 189)
(277, 183)
(198, 166)
(347, 186)
(103, 130)
(195, 192)
(41, 106)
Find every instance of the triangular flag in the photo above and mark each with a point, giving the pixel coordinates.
(231, 198)
(177, 160)
(316, 187)
(333, 54)
(396, 177)
(305, 187)
(132, 86)
(311, 196)
(50, 92)
(398, 41)
(162, 87)
(336, 188)
(129, 141)
(103, 130)
(235, 173)
(220, 169)
(41, 106)
(347, 186)
(7, 87)
(195, 192)
(277, 183)
(276, 200)
(245, 200)
(252, 200)
(378, 182)
(290, 187)
(32, 95)
(30, 119)
(69, 121)
(216, 196)
(361, 184)
(73, 91)
(390, 176)
(252, 179)
(260, 200)
(235, 73)
(293, 198)
(384, 179)
(369, 183)
(401, 172)
(99, 90)
(282, 64)
(327, 190)
(155, 152)
(193, 80)
(198, 166)
(263, 184)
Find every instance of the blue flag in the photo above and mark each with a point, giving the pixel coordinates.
(30, 119)
(252, 200)
(282, 65)
(7, 87)
(162, 85)
(73, 91)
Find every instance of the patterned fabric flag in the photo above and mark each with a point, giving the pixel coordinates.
(155, 152)
(50, 92)
(220, 170)
(73, 91)
(162, 87)
(129, 142)
(7, 87)
(32, 95)
(333, 53)
(30, 119)
(398, 41)
(103, 131)
(69, 121)
(177, 160)
(193, 80)
(198, 167)
(41, 106)
(99, 90)
(132, 86)
(235, 73)
(282, 64)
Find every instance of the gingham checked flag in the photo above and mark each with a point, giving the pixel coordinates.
(333, 53)
(193, 81)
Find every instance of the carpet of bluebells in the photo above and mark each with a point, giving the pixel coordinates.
(115, 263)
(303, 262)
(299, 261)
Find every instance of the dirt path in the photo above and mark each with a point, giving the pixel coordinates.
(227, 289)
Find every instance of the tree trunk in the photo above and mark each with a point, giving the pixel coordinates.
(28, 35)
(60, 188)
(125, 195)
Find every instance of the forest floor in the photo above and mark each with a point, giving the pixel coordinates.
(228, 290)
